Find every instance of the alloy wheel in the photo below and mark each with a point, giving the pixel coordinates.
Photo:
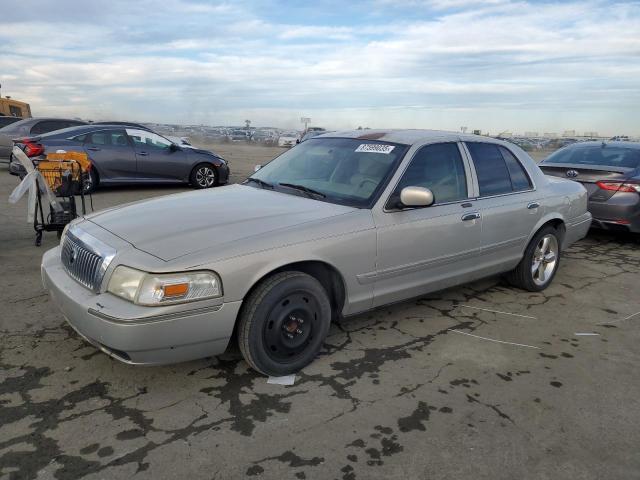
(205, 177)
(545, 259)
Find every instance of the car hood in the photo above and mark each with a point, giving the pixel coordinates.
(216, 219)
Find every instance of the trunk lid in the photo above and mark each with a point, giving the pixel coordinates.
(588, 175)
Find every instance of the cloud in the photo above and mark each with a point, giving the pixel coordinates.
(438, 64)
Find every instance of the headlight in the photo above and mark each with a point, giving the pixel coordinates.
(163, 288)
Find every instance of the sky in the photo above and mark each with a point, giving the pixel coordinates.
(498, 65)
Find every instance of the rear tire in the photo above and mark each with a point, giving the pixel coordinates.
(539, 263)
(203, 175)
(91, 183)
(283, 323)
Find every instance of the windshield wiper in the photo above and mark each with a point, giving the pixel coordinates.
(302, 188)
(262, 183)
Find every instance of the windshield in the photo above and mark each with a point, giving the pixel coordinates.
(624, 157)
(339, 170)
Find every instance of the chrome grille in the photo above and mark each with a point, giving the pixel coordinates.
(83, 262)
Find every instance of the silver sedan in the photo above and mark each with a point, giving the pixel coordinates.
(338, 225)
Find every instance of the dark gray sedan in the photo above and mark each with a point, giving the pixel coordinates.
(121, 154)
(610, 171)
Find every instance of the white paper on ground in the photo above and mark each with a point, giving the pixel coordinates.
(586, 334)
(287, 380)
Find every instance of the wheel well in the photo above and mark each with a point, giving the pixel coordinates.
(95, 170)
(326, 274)
(559, 225)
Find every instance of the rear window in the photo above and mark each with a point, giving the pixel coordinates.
(610, 156)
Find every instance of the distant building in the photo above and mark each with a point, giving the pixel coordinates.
(530, 134)
(569, 133)
(477, 132)
(591, 134)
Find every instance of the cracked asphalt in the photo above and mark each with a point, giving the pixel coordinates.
(421, 389)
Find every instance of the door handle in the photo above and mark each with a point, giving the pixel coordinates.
(470, 216)
(144, 154)
(93, 149)
(533, 205)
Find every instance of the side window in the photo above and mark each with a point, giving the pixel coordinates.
(119, 138)
(108, 137)
(98, 138)
(80, 138)
(519, 178)
(45, 126)
(142, 138)
(438, 167)
(493, 174)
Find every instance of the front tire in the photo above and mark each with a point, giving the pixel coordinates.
(539, 263)
(203, 175)
(283, 323)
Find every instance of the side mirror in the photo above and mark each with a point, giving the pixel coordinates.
(416, 197)
(257, 167)
(173, 147)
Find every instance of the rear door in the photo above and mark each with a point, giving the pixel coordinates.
(112, 154)
(156, 159)
(508, 202)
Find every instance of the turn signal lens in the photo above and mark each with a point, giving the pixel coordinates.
(176, 290)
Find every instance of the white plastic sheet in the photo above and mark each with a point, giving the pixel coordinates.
(28, 184)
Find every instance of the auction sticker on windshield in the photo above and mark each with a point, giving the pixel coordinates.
(375, 148)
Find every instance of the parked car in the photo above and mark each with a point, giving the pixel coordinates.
(122, 155)
(265, 137)
(610, 171)
(239, 135)
(288, 139)
(332, 228)
(30, 127)
(6, 120)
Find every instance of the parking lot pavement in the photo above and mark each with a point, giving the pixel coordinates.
(481, 381)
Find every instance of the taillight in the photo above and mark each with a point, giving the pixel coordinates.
(631, 187)
(31, 148)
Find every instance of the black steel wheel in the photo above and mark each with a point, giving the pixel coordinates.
(283, 323)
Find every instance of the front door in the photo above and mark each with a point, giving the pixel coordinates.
(426, 249)
(157, 159)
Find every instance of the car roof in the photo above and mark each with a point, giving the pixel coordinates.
(80, 129)
(408, 136)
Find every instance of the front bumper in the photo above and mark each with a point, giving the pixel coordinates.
(135, 334)
(223, 173)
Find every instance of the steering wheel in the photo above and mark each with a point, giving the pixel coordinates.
(365, 181)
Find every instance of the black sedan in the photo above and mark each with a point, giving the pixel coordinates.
(122, 154)
(610, 171)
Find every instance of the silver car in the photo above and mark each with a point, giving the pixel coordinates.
(338, 225)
